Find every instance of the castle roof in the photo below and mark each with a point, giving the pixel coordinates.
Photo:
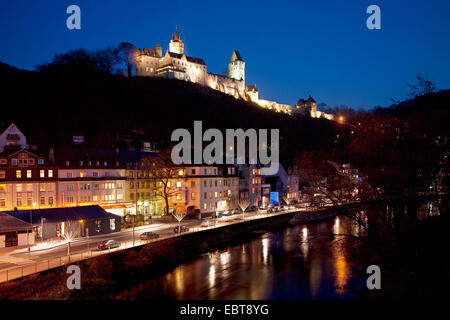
(176, 36)
(236, 56)
(310, 99)
(190, 59)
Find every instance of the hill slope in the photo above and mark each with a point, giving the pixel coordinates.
(51, 106)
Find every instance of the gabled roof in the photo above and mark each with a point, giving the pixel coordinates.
(190, 59)
(61, 214)
(9, 223)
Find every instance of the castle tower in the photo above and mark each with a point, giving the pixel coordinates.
(158, 50)
(176, 45)
(236, 67)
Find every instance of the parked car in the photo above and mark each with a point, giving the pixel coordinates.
(227, 213)
(219, 214)
(251, 209)
(108, 244)
(148, 235)
(182, 228)
(234, 211)
(273, 209)
(207, 223)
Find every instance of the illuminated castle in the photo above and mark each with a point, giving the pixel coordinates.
(175, 64)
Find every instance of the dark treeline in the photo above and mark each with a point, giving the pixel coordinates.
(90, 93)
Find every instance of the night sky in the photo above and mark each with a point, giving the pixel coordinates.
(291, 48)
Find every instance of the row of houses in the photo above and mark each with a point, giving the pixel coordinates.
(118, 181)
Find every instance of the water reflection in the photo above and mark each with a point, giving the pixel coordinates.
(296, 263)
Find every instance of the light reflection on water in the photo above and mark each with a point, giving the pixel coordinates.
(294, 263)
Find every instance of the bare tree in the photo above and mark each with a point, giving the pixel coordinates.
(422, 86)
(71, 231)
(179, 215)
(243, 204)
(162, 169)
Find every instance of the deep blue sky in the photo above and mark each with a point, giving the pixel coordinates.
(291, 48)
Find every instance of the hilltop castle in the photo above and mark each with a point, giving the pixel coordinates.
(175, 64)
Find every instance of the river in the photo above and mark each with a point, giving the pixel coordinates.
(297, 262)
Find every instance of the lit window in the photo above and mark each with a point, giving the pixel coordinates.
(2, 161)
(2, 187)
(42, 173)
(178, 184)
(112, 224)
(28, 173)
(2, 174)
(19, 187)
(18, 174)
(193, 196)
(82, 174)
(50, 173)
(180, 172)
(215, 194)
(40, 161)
(67, 163)
(178, 197)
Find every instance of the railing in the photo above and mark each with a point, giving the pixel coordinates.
(43, 265)
(51, 263)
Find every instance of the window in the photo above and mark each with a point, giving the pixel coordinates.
(68, 199)
(2, 187)
(18, 174)
(2, 203)
(29, 202)
(2, 161)
(14, 162)
(83, 174)
(118, 186)
(81, 163)
(95, 174)
(42, 201)
(19, 187)
(178, 184)
(180, 172)
(50, 201)
(178, 197)
(67, 163)
(193, 171)
(204, 183)
(50, 186)
(192, 184)
(95, 186)
(42, 173)
(95, 197)
(97, 163)
(29, 187)
(89, 163)
(40, 161)
(41, 187)
(19, 202)
(69, 187)
(28, 173)
(2, 174)
(119, 196)
(192, 195)
(105, 163)
(98, 226)
(205, 206)
(205, 195)
(131, 196)
(112, 224)
(50, 173)
(31, 162)
(210, 194)
(215, 194)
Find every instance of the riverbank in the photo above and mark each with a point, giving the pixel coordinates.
(105, 276)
